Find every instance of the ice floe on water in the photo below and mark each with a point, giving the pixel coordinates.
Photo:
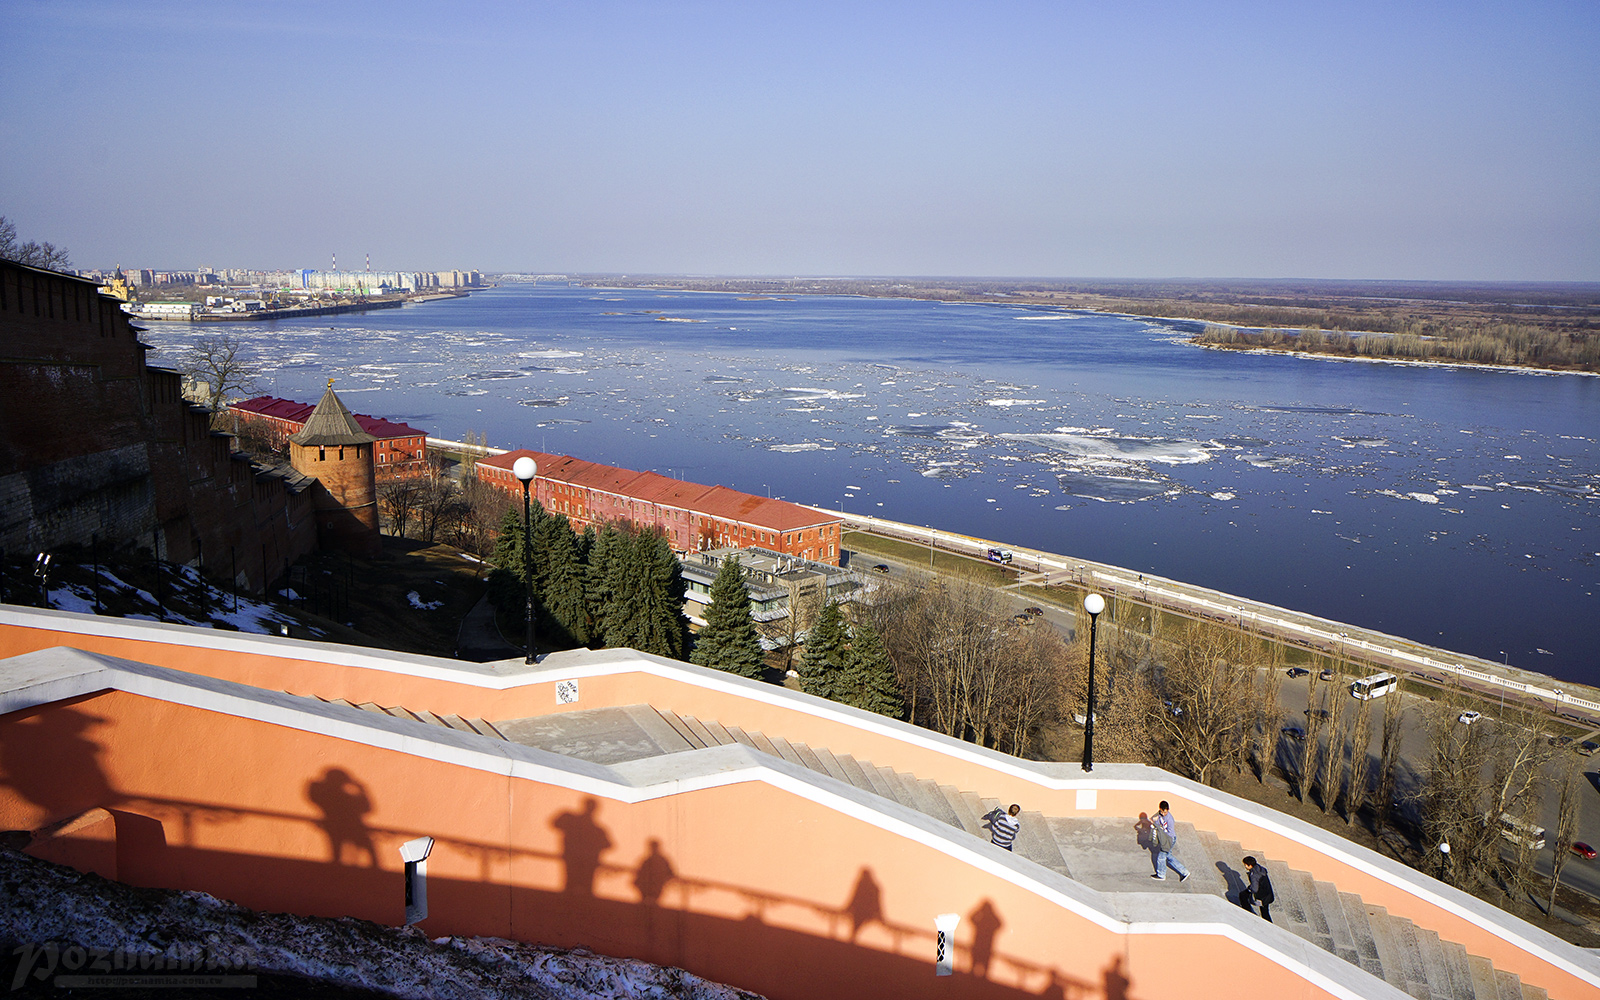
(1072, 442)
(796, 394)
(1223, 495)
(956, 433)
(802, 446)
(559, 401)
(1014, 402)
(487, 376)
(1264, 461)
(552, 353)
(1112, 489)
(724, 380)
(1359, 441)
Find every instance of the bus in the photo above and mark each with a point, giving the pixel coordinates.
(1375, 686)
(1521, 833)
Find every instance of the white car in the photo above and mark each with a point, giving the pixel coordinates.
(1468, 717)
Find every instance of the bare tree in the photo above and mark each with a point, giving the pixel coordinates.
(1389, 755)
(1355, 793)
(1456, 809)
(1204, 722)
(1566, 828)
(399, 503)
(30, 253)
(1333, 778)
(219, 371)
(1264, 732)
(1311, 755)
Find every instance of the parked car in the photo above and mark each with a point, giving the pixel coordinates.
(1588, 747)
(881, 568)
(1583, 851)
(1468, 717)
(1297, 672)
(1294, 733)
(1035, 612)
(1560, 741)
(1327, 674)
(1320, 713)
(1022, 619)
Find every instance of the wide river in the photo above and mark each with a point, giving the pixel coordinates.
(1453, 506)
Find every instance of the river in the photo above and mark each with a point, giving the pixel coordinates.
(1453, 506)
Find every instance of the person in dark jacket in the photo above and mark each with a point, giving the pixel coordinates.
(1259, 890)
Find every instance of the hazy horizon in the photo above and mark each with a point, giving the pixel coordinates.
(1357, 142)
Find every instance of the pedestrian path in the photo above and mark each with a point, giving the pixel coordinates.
(1111, 855)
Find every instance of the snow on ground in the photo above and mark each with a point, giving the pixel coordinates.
(421, 605)
(42, 902)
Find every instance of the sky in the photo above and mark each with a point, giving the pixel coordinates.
(1416, 140)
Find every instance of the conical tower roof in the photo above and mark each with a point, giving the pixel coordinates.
(331, 425)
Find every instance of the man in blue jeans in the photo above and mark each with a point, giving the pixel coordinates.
(1165, 829)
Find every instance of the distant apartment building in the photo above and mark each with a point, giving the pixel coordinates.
(694, 517)
(400, 451)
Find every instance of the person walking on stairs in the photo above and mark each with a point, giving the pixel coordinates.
(1166, 831)
(1003, 826)
(1259, 890)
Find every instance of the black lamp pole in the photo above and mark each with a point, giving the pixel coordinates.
(1094, 604)
(525, 469)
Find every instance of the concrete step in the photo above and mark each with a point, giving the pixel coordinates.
(1485, 985)
(486, 728)
(786, 751)
(1509, 986)
(741, 737)
(1530, 992)
(899, 787)
(718, 733)
(699, 735)
(1455, 958)
(969, 809)
(1355, 914)
(830, 764)
(932, 802)
(854, 773)
(808, 757)
(680, 727)
(456, 722)
(760, 742)
(1328, 902)
(1316, 921)
(1435, 973)
(1409, 954)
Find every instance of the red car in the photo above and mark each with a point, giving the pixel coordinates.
(1583, 851)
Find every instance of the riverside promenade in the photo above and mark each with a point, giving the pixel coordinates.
(1578, 704)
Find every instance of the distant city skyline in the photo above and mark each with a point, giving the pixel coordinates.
(1357, 140)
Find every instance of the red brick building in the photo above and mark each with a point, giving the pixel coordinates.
(692, 516)
(400, 451)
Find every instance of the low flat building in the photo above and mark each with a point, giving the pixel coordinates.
(777, 583)
(693, 517)
(401, 451)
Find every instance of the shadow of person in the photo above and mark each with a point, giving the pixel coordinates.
(48, 760)
(866, 903)
(344, 804)
(986, 924)
(1141, 831)
(1115, 983)
(582, 842)
(1234, 879)
(653, 875)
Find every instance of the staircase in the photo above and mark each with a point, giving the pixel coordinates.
(477, 727)
(1106, 854)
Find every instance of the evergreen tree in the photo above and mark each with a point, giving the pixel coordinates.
(826, 650)
(729, 641)
(868, 680)
(603, 552)
(647, 609)
(564, 611)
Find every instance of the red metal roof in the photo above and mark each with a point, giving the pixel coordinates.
(650, 487)
(288, 409)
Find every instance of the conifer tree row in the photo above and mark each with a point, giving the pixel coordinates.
(849, 664)
(614, 587)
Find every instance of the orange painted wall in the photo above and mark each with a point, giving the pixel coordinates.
(771, 892)
(358, 684)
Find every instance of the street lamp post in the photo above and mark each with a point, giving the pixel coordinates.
(525, 469)
(1094, 604)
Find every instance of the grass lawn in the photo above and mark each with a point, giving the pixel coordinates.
(912, 554)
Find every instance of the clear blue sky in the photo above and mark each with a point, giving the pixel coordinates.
(1452, 140)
